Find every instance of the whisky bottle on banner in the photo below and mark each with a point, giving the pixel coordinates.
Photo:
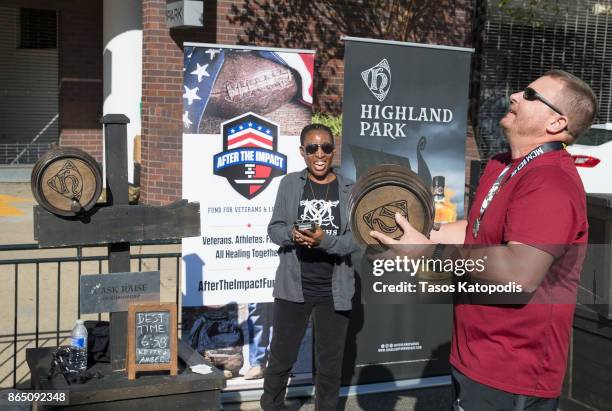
(446, 211)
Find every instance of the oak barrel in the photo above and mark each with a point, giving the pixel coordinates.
(66, 181)
(380, 193)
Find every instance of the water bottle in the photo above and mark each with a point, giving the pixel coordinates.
(78, 347)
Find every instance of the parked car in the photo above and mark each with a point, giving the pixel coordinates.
(592, 155)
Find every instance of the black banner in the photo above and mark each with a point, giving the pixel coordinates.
(404, 104)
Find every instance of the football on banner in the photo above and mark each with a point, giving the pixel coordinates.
(248, 82)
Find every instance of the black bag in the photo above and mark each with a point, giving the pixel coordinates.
(98, 341)
(214, 332)
(216, 335)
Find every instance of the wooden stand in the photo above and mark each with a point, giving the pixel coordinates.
(117, 223)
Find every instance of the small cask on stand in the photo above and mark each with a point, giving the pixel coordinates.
(152, 338)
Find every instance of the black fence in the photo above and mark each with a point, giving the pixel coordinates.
(40, 294)
(22, 153)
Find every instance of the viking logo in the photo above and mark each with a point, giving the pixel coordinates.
(249, 159)
(67, 182)
(378, 79)
(383, 218)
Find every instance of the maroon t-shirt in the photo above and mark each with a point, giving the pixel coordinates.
(523, 349)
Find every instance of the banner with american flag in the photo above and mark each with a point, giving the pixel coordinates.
(243, 110)
(218, 77)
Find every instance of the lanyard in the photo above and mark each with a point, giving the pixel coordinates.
(497, 185)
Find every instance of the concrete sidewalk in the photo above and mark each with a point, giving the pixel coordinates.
(426, 399)
(16, 222)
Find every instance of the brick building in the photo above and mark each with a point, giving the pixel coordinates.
(50, 50)
(120, 56)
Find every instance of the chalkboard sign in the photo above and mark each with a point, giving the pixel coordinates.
(152, 338)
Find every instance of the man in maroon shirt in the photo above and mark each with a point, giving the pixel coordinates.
(529, 220)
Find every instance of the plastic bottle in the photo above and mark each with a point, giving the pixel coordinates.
(78, 347)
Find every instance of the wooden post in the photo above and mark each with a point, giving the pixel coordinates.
(115, 146)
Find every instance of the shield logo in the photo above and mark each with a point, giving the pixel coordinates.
(249, 159)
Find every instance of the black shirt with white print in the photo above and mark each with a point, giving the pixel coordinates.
(319, 203)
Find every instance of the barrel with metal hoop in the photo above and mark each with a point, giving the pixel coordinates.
(66, 181)
(380, 193)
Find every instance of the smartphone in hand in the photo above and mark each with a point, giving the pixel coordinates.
(304, 225)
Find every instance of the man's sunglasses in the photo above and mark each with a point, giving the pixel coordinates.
(311, 149)
(531, 95)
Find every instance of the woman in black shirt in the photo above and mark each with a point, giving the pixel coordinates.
(315, 276)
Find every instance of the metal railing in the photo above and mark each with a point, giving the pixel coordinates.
(40, 294)
(26, 149)
(22, 153)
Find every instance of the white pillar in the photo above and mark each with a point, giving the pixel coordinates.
(122, 42)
